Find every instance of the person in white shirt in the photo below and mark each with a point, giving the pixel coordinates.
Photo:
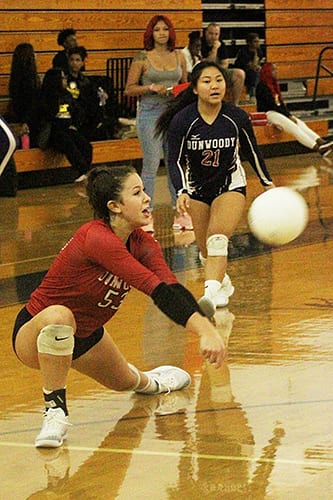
(192, 52)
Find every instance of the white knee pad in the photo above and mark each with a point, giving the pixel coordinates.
(56, 339)
(217, 245)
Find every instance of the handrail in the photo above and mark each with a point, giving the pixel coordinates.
(117, 69)
(319, 66)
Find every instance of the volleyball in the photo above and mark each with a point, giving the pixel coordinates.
(278, 216)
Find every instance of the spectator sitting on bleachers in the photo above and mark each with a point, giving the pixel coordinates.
(24, 91)
(250, 57)
(92, 98)
(66, 39)
(66, 117)
(192, 52)
(270, 100)
(214, 49)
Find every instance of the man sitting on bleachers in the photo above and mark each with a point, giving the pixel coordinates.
(93, 93)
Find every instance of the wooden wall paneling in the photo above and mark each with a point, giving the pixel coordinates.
(296, 70)
(296, 32)
(325, 86)
(103, 40)
(96, 58)
(297, 53)
(298, 4)
(115, 31)
(3, 106)
(91, 20)
(95, 5)
(301, 18)
(315, 34)
(3, 84)
(96, 61)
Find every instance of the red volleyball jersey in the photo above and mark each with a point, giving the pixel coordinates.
(95, 270)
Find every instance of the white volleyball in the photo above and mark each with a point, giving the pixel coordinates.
(278, 216)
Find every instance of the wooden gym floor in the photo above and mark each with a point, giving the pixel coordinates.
(258, 428)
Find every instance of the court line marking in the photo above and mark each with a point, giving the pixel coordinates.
(182, 412)
(308, 463)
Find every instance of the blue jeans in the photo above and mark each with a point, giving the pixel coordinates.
(153, 148)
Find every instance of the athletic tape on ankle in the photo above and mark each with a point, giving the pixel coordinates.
(56, 339)
(217, 245)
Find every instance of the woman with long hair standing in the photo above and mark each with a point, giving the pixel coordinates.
(153, 72)
(204, 134)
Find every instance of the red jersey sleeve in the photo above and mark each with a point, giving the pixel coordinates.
(140, 263)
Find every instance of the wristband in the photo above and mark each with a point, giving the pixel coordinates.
(176, 302)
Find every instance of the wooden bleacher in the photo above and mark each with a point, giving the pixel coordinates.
(294, 34)
(28, 160)
(115, 150)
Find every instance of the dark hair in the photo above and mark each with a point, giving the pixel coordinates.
(184, 98)
(193, 36)
(251, 36)
(105, 184)
(52, 89)
(148, 39)
(78, 50)
(64, 34)
(52, 82)
(23, 73)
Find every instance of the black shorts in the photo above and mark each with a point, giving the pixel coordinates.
(208, 199)
(81, 345)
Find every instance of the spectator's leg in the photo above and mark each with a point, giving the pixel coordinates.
(237, 79)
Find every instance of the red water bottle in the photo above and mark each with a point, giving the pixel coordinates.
(25, 141)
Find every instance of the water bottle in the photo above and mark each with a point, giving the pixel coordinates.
(100, 93)
(25, 141)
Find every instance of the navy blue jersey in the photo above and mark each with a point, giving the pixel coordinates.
(203, 158)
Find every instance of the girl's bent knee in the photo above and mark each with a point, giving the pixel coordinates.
(58, 314)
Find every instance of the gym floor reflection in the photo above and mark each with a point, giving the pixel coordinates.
(260, 427)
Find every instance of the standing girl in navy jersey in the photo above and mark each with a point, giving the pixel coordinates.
(204, 135)
(62, 324)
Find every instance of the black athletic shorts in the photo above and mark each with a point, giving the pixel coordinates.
(81, 345)
(209, 198)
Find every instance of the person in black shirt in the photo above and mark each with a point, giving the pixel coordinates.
(67, 39)
(101, 114)
(214, 49)
(250, 57)
(66, 117)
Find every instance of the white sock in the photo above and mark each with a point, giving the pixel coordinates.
(211, 287)
(151, 387)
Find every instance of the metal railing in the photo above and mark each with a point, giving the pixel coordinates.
(319, 67)
(117, 69)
